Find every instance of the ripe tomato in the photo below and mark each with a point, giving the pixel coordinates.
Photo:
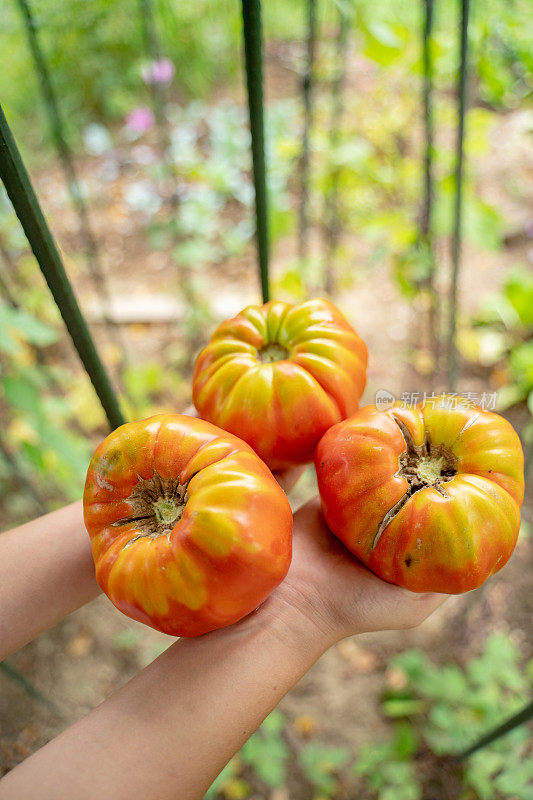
(190, 531)
(278, 376)
(427, 496)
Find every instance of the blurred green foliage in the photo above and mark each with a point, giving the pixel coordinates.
(373, 164)
(501, 338)
(439, 710)
(96, 49)
(39, 429)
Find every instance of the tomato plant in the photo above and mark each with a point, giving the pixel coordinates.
(427, 496)
(280, 375)
(190, 531)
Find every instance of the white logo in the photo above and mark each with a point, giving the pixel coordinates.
(384, 400)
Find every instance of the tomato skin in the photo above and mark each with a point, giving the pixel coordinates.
(450, 535)
(214, 565)
(281, 408)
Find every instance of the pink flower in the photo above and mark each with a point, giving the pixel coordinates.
(160, 71)
(140, 119)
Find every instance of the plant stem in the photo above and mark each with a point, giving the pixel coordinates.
(251, 17)
(426, 232)
(517, 719)
(307, 94)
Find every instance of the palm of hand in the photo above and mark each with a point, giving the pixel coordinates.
(328, 584)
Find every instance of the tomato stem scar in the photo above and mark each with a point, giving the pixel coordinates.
(270, 353)
(157, 506)
(422, 466)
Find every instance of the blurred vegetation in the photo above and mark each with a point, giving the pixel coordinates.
(500, 337)
(181, 157)
(192, 194)
(371, 164)
(435, 711)
(95, 50)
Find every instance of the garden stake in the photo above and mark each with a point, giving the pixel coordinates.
(307, 92)
(518, 719)
(453, 361)
(426, 233)
(20, 192)
(251, 17)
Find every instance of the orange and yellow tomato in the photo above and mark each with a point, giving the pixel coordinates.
(279, 375)
(189, 529)
(428, 497)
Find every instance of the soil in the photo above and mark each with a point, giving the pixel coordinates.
(86, 657)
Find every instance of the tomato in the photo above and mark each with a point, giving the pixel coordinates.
(427, 496)
(190, 531)
(279, 375)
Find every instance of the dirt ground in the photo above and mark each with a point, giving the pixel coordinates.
(90, 654)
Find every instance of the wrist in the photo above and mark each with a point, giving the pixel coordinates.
(292, 618)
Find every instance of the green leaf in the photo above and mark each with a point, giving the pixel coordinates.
(274, 723)
(516, 781)
(409, 790)
(403, 707)
(519, 292)
(319, 764)
(406, 740)
(32, 329)
(266, 751)
(480, 772)
(383, 43)
(521, 362)
(227, 774)
(22, 394)
(413, 662)
(371, 756)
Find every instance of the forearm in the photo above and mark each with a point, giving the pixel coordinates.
(170, 730)
(46, 572)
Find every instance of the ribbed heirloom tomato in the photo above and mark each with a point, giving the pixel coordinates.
(190, 531)
(427, 496)
(279, 375)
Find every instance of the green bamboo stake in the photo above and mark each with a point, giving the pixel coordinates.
(517, 719)
(426, 217)
(453, 360)
(67, 162)
(27, 209)
(307, 92)
(251, 17)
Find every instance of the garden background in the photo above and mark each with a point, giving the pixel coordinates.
(132, 120)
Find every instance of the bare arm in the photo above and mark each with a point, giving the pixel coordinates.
(170, 730)
(46, 572)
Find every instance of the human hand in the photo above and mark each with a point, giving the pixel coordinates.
(329, 588)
